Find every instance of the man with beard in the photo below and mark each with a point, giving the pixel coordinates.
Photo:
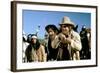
(70, 43)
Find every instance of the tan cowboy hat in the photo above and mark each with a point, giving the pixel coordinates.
(66, 21)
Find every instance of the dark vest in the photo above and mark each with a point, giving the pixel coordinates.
(52, 54)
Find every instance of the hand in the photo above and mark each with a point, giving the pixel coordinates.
(68, 40)
(64, 39)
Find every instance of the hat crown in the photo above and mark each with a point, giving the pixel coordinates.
(66, 20)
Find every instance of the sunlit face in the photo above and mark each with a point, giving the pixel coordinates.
(34, 40)
(65, 29)
(51, 32)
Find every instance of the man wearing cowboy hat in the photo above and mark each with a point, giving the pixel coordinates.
(70, 41)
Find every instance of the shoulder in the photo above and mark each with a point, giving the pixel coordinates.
(60, 34)
(41, 46)
(75, 33)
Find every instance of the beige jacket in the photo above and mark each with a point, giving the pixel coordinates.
(73, 48)
(39, 55)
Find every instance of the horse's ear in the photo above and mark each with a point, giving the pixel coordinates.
(29, 38)
(75, 28)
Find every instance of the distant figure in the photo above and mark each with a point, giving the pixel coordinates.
(29, 38)
(85, 44)
(89, 41)
(25, 45)
(35, 52)
(45, 43)
(75, 28)
(89, 36)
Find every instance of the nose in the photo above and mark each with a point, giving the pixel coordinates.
(50, 33)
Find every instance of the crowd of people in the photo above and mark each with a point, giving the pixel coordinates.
(60, 44)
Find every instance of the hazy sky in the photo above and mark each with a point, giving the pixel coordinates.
(32, 19)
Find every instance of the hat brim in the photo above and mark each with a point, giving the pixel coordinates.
(52, 27)
(68, 24)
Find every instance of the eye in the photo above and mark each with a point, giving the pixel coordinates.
(65, 26)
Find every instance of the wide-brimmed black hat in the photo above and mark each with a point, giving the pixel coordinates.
(51, 26)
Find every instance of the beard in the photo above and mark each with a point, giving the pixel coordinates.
(66, 33)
